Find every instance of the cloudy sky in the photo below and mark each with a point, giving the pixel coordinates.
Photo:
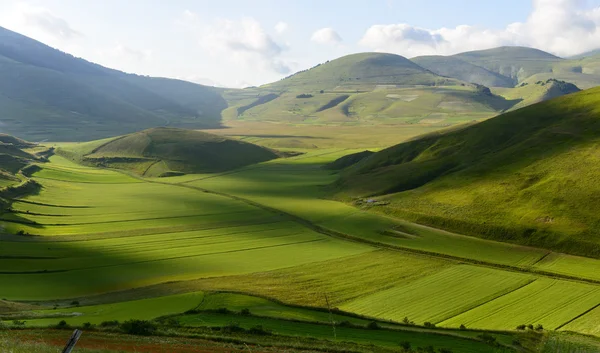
(237, 43)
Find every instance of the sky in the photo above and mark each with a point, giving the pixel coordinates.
(238, 43)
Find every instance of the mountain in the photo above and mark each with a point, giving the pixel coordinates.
(530, 91)
(585, 55)
(528, 177)
(48, 94)
(364, 69)
(167, 152)
(454, 67)
(516, 63)
(17, 161)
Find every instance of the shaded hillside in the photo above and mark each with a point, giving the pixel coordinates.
(48, 94)
(529, 176)
(454, 67)
(359, 70)
(169, 151)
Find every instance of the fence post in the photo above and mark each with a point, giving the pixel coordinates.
(72, 341)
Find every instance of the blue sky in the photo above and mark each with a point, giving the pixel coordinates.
(236, 43)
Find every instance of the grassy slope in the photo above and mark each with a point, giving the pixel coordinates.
(358, 70)
(524, 177)
(50, 94)
(516, 63)
(454, 67)
(160, 151)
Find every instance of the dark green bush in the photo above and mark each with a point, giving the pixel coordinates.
(138, 327)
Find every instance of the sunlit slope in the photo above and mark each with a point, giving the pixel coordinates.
(358, 70)
(528, 177)
(516, 63)
(169, 151)
(450, 66)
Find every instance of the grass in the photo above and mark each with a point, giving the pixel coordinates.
(168, 151)
(522, 192)
(546, 302)
(438, 297)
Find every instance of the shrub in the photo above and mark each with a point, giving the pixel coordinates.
(112, 323)
(87, 325)
(373, 326)
(75, 303)
(233, 327)
(21, 232)
(245, 312)
(223, 311)
(539, 327)
(429, 325)
(62, 325)
(405, 345)
(304, 95)
(521, 327)
(463, 327)
(487, 338)
(321, 91)
(259, 330)
(138, 327)
(406, 321)
(18, 323)
(530, 326)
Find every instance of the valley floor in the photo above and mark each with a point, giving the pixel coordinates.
(101, 245)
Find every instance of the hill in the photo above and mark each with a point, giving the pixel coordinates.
(531, 92)
(527, 177)
(48, 94)
(516, 63)
(357, 70)
(169, 151)
(454, 67)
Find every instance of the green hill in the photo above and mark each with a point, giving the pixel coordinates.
(454, 67)
(531, 91)
(48, 94)
(516, 63)
(528, 177)
(167, 152)
(361, 70)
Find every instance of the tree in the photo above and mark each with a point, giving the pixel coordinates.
(463, 327)
(405, 345)
(138, 327)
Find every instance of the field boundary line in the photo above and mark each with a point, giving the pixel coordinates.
(577, 317)
(489, 301)
(343, 236)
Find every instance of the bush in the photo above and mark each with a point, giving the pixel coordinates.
(233, 327)
(223, 311)
(112, 323)
(406, 321)
(18, 323)
(87, 325)
(304, 95)
(521, 327)
(245, 312)
(259, 330)
(487, 338)
(462, 327)
(62, 325)
(530, 326)
(75, 303)
(539, 327)
(405, 345)
(373, 326)
(429, 325)
(138, 327)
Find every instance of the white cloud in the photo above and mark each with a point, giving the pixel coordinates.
(243, 42)
(563, 27)
(326, 36)
(281, 27)
(39, 23)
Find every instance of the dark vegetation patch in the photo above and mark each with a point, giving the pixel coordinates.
(333, 103)
(261, 100)
(348, 160)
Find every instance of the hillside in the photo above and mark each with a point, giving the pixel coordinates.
(516, 63)
(47, 94)
(168, 151)
(527, 177)
(357, 70)
(531, 92)
(454, 67)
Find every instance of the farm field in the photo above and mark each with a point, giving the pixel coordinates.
(265, 230)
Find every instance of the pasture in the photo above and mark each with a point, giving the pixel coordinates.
(266, 230)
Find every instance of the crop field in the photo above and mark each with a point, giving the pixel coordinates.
(547, 302)
(438, 297)
(266, 230)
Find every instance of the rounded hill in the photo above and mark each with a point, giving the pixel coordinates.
(170, 151)
(362, 68)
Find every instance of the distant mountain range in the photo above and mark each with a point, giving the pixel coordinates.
(48, 94)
